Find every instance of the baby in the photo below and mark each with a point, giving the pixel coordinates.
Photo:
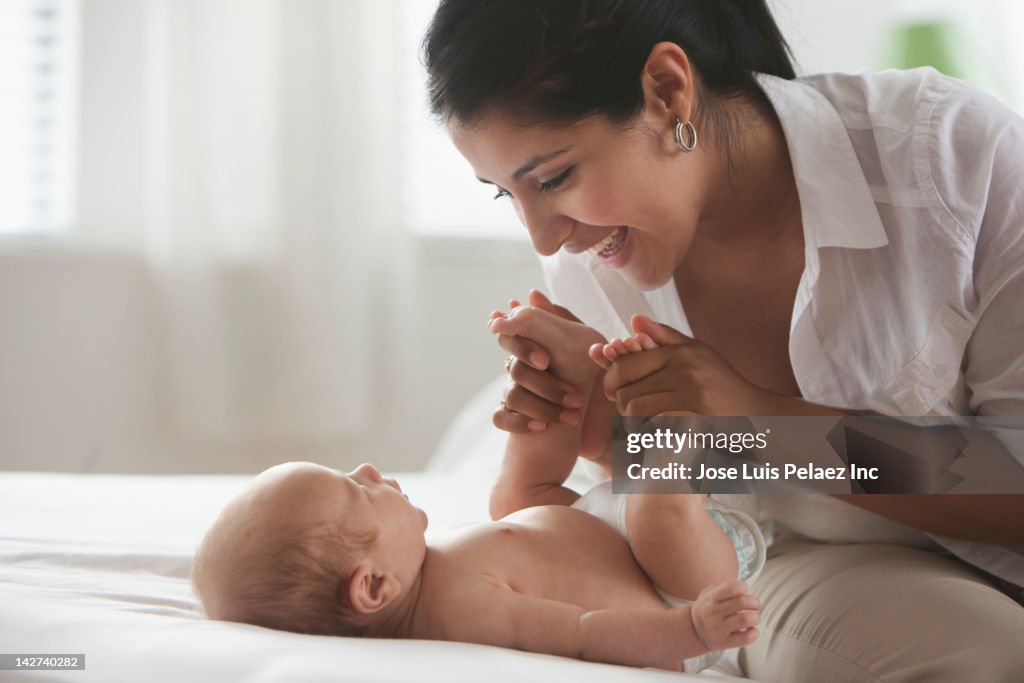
(311, 550)
(308, 549)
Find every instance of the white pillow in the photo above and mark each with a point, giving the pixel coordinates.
(472, 441)
(473, 447)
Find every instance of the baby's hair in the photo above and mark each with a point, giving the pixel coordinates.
(297, 583)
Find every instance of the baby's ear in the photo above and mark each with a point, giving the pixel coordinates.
(370, 591)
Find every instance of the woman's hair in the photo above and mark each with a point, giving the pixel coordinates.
(559, 61)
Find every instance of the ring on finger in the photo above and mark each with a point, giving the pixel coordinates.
(508, 364)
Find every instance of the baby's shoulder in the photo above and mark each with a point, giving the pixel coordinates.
(468, 551)
(465, 548)
(494, 549)
(467, 573)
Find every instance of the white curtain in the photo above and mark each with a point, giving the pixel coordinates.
(266, 222)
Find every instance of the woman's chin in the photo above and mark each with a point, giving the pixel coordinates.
(644, 280)
(634, 268)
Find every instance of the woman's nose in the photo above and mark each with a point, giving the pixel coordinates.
(548, 229)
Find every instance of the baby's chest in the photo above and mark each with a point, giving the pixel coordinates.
(573, 558)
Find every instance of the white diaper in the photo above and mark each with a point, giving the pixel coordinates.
(743, 532)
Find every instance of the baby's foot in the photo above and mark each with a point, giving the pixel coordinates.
(605, 354)
(567, 342)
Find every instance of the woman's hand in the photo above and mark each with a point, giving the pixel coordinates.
(681, 376)
(534, 397)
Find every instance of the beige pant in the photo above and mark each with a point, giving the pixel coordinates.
(881, 613)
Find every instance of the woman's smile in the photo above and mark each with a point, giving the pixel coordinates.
(612, 249)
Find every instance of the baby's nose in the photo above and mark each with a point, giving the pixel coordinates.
(369, 471)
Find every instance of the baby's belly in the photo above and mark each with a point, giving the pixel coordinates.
(564, 554)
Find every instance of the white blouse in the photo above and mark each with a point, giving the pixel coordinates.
(912, 298)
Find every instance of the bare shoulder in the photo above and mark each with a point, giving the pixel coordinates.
(480, 538)
(548, 516)
(466, 574)
(473, 595)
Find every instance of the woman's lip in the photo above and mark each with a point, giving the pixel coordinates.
(579, 248)
(595, 247)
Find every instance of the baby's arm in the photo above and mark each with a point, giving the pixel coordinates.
(725, 616)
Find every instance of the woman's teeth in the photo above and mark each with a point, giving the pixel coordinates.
(610, 244)
(603, 243)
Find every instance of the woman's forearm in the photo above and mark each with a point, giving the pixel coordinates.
(996, 518)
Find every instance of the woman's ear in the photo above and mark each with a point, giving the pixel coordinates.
(668, 84)
(370, 591)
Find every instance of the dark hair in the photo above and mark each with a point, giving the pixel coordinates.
(563, 60)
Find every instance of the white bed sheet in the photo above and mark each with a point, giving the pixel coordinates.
(99, 564)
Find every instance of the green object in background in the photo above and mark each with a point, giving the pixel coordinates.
(931, 43)
(939, 44)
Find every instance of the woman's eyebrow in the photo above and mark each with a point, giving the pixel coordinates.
(531, 164)
(537, 161)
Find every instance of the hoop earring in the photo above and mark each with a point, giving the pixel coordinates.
(691, 133)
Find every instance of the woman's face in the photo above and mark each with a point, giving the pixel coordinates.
(628, 194)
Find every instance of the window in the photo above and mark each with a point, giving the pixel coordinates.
(37, 96)
(440, 194)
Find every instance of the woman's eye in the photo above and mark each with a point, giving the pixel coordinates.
(502, 193)
(553, 184)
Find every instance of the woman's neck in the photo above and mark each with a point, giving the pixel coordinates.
(754, 201)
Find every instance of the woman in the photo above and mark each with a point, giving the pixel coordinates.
(825, 245)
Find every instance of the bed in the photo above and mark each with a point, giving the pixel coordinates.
(99, 565)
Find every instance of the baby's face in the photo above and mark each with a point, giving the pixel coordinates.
(370, 499)
(362, 501)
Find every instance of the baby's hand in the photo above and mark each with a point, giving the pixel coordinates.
(726, 615)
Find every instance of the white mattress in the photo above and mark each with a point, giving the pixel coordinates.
(99, 564)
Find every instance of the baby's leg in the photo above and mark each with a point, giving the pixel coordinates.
(673, 537)
(567, 342)
(678, 544)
